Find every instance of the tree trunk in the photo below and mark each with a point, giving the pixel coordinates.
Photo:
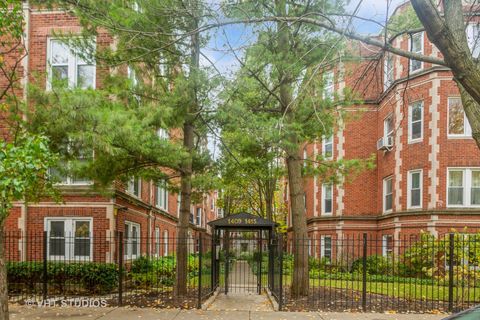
(3, 277)
(186, 174)
(300, 281)
(183, 220)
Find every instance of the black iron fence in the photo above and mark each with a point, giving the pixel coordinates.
(357, 272)
(116, 268)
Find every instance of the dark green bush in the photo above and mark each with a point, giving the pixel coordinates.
(376, 264)
(89, 276)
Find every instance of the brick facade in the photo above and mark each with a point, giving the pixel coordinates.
(358, 202)
(107, 214)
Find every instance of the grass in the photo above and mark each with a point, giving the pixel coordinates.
(401, 289)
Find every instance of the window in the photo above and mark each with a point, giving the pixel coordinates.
(305, 157)
(68, 68)
(179, 201)
(163, 134)
(415, 122)
(165, 242)
(161, 197)
(199, 217)
(473, 38)
(59, 173)
(458, 125)
(134, 186)
(327, 204)
(388, 71)
(328, 85)
(387, 245)
(414, 182)
(388, 126)
(157, 241)
(416, 46)
(327, 147)
(132, 240)
(305, 201)
(326, 248)
(387, 194)
(69, 238)
(463, 187)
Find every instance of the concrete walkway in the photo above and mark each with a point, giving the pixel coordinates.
(241, 302)
(37, 313)
(241, 278)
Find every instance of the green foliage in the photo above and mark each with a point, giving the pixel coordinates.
(404, 20)
(89, 276)
(24, 165)
(376, 264)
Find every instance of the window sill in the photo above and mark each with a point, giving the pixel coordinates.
(459, 137)
(387, 211)
(415, 141)
(415, 71)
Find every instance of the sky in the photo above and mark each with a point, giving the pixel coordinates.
(218, 50)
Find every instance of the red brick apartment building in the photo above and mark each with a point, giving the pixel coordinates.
(144, 211)
(427, 173)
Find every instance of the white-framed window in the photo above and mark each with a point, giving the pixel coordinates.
(165, 242)
(416, 46)
(388, 194)
(388, 126)
(387, 245)
(60, 173)
(305, 201)
(157, 241)
(327, 198)
(388, 76)
(328, 85)
(163, 134)
(326, 247)
(305, 157)
(463, 187)
(473, 38)
(134, 186)
(131, 240)
(161, 196)
(69, 238)
(327, 147)
(458, 125)
(199, 217)
(415, 122)
(66, 67)
(179, 201)
(414, 188)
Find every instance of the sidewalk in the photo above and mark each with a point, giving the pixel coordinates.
(30, 313)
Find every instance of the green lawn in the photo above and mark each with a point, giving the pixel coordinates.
(400, 289)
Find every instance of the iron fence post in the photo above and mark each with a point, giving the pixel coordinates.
(259, 280)
(450, 271)
(280, 255)
(45, 271)
(120, 268)
(364, 274)
(213, 263)
(199, 298)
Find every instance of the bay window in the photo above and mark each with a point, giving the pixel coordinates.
(326, 248)
(463, 187)
(327, 147)
(416, 46)
(414, 189)
(327, 195)
(134, 186)
(415, 122)
(161, 196)
(458, 125)
(387, 194)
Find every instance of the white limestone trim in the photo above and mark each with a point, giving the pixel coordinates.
(315, 181)
(340, 155)
(398, 149)
(433, 143)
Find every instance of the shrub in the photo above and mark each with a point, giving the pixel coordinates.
(376, 264)
(89, 276)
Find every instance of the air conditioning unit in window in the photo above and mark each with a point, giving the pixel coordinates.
(385, 143)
